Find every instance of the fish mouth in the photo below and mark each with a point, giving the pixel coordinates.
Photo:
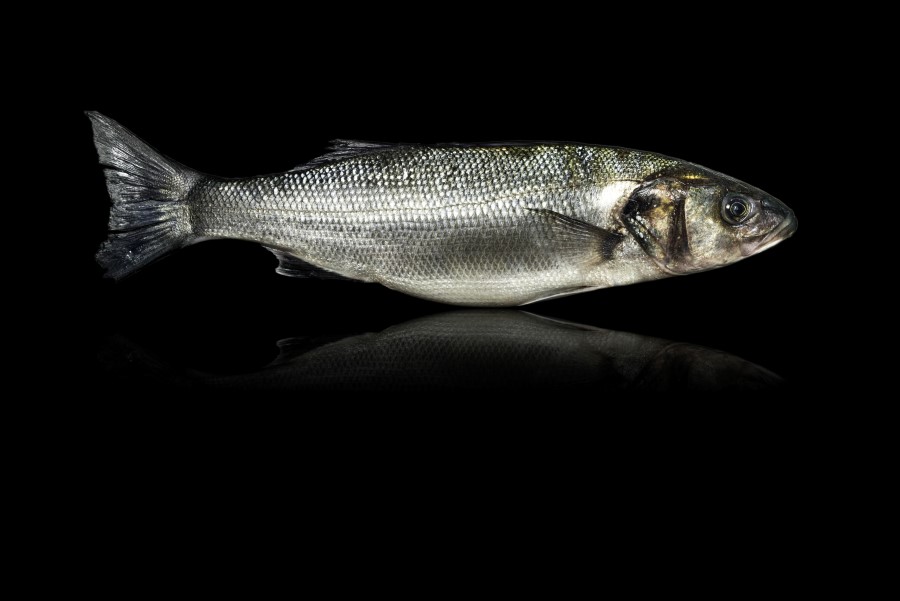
(785, 230)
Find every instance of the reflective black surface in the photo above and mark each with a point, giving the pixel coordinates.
(134, 467)
(474, 351)
(218, 308)
(209, 320)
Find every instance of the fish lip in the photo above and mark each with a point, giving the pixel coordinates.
(785, 230)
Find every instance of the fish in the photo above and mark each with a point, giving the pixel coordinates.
(492, 225)
(471, 350)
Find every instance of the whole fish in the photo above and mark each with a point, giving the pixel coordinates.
(489, 225)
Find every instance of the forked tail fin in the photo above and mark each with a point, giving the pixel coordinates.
(150, 216)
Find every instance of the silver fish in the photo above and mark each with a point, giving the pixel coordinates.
(489, 225)
(468, 350)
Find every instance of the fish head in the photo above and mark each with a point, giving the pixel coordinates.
(695, 219)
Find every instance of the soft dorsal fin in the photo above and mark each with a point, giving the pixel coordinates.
(345, 149)
(293, 267)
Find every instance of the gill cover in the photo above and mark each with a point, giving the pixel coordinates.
(655, 216)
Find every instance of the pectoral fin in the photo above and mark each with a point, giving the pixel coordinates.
(579, 237)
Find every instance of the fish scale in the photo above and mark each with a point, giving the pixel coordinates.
(443, 222)
(490, 225)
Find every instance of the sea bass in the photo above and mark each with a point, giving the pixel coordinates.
(481, 225)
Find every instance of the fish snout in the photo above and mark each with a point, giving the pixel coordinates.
(786, 225)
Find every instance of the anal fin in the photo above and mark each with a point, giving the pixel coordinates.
(293, 267)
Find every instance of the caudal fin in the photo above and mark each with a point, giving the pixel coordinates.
(149, 216)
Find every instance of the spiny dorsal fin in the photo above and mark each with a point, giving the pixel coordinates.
(345, 149)
(293, 267)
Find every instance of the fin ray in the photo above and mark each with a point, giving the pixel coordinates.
(581, 236)
(345, 149)
(149, 215)
(294, 267)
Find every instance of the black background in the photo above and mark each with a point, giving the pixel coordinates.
(240, 109)
(142, 479)
(235, 94)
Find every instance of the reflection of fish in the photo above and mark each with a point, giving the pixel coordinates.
(477, 351)
(490, 225)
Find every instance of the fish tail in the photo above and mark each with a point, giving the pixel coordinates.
(150, 215)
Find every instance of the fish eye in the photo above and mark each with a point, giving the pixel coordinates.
(736, 209)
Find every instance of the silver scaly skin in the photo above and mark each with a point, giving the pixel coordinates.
(492, 225)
